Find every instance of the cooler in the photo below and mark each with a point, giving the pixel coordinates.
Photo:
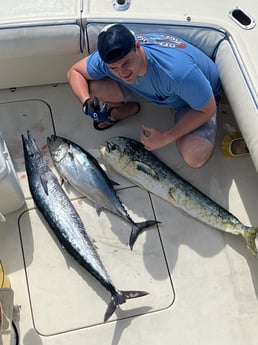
(11, 196)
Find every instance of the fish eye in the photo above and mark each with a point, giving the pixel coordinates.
(111, 146)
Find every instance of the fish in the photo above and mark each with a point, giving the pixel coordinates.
(82, 171)
(63, 219)
(130, 159)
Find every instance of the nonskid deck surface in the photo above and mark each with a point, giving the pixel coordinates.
(203, 284)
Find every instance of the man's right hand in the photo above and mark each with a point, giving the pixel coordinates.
(93, 108)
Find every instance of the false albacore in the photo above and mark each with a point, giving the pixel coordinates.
(129, 158)
(79, 168)
(64, 220)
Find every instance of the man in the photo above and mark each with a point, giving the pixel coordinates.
(162, 69)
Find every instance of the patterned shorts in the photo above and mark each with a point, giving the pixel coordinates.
(207, 130)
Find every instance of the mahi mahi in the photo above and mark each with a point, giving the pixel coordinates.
(80, 169)
(129, 158)
(65, 222)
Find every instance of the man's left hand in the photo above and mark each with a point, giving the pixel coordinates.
(153, 139)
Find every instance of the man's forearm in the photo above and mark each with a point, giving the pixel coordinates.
(78, 84)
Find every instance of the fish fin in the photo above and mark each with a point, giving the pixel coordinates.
(250, 237)
(121, 298)
(134, 294)
(94, 243)
(110, 309)
(44, 184)
(2, 218)
(80, 164)
(75, 157)
(147, 170)
(70, 151)
(114, 183)
(138, 228)
(98, 208)
(62, 181)
(170, 195)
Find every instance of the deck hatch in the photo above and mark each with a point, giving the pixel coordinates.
(66, 292)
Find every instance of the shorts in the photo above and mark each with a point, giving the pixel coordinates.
(208, 130)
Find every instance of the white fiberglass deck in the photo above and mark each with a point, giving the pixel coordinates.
(203, 284)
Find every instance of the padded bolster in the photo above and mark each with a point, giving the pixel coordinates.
(205, 38)
(37, 40)
(240, 97)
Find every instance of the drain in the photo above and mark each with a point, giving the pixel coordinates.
(121, 5)
(242, 18)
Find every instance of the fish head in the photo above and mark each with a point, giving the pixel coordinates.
(58, 147)
(33, 157)
(115, 152)
(128, 157)
(124, 155)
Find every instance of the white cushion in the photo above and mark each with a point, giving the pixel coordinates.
(45, 40)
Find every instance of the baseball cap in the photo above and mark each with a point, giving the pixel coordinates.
(115, 42)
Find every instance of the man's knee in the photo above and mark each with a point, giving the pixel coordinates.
(107, 90)
(195, 150)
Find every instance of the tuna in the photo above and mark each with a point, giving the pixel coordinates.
(80, 169)
(66, 224)
(129, 158)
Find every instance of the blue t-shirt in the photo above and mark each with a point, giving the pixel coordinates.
(178, 74)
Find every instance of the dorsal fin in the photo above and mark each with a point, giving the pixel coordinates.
(43, 181)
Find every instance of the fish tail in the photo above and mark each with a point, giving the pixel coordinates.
(138, 228)
(120, 297)
(250, 237)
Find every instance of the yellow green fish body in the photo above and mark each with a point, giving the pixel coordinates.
(129, 158)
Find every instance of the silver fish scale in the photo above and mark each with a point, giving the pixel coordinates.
(83, 172)
(60, 214)
(70, 225)
(64, 220)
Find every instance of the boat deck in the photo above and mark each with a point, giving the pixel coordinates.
(202, 283)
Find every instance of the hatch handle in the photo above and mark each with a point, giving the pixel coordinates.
(242, 18)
